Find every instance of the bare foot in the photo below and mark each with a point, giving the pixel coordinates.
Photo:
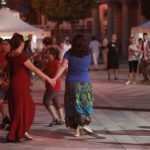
(77, 132)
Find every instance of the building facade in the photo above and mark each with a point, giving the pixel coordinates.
(110, 16)
(116, 16)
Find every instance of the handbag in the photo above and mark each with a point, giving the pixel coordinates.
(4, 79)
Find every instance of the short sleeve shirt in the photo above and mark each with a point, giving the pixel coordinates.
(78, 68)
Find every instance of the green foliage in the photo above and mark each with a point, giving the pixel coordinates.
(64, 10)
(145, 6)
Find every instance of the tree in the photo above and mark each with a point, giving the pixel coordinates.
(58, 11)
(64, 10)
(145, 8)
(25, 9)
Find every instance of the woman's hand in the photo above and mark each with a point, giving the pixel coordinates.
(51, 81)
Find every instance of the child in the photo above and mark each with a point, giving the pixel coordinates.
(50, 99)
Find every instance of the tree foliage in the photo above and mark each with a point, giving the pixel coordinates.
(145, 7)
(64, 10)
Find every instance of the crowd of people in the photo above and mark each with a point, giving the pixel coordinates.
(71, 58)
(49, 64)
(138, 57)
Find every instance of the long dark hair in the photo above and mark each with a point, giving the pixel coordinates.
(79, 46)
(16, 40)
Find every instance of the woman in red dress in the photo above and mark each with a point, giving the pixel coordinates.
(21, 105)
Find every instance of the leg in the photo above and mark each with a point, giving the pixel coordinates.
(94, 55)
(4, 113)
(47, 101)
(77, 131)
(59, 107)
(135, 71)
(146, 70)
(3, 110)
(52, 110)
(116, 74)
(143, 68)
(61, 114)
(134, 77)
(130, 63)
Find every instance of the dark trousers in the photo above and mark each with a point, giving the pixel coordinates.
(133, 66)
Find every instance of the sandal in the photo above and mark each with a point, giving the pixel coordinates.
(5, 122)
(87, 129)
(27, 136)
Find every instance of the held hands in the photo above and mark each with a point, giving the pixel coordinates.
(51, 81)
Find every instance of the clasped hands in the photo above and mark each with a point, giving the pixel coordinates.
(52, 81)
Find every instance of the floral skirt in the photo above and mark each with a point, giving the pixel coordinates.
(78, 104)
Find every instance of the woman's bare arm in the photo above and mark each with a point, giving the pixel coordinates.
(37, 71)
(61, 68)
(131, 48)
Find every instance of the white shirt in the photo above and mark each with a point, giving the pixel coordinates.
(132, 52)
(65, 48)
(95, 46)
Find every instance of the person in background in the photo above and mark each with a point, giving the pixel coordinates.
(133, 60)
(55, 45)
(95, 48)
(79, 97)
(47, 43)
(50, 99)
(113, 57)
(40, 58)
(28, 50)
(65, 46)
(145, 59)
(105, 52)
(4, 49)
(21, 105)
(139, 46)
(27, 46)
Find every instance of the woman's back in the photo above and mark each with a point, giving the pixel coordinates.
(78, 68)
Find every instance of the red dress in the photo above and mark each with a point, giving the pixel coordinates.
(2, 57)
(21, 105)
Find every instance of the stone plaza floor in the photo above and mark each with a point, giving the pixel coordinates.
(121, 119)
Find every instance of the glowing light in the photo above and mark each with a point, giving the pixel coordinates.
(3, 2)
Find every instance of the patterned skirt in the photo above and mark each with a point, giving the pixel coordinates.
(78, 104)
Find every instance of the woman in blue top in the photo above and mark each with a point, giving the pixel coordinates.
(78, 90)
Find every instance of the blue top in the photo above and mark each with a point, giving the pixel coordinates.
(77, 68)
